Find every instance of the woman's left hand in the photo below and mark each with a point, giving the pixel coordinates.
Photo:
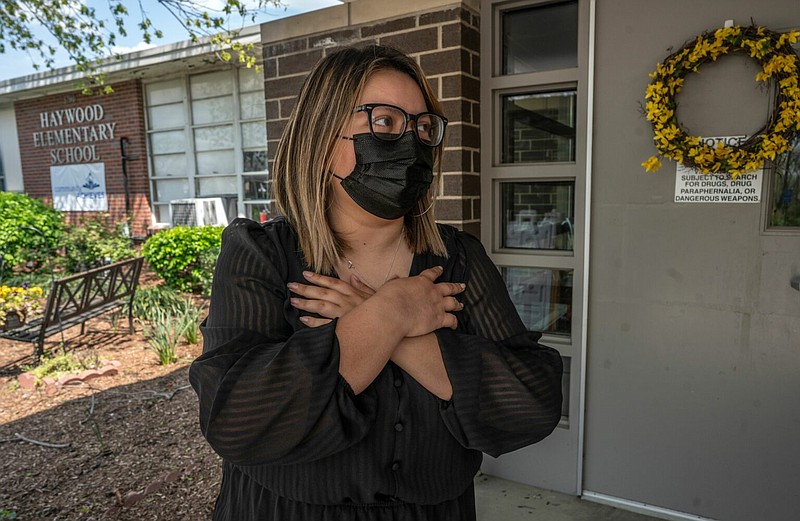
(328, 297)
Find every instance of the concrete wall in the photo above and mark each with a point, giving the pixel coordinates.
(694, 331)
(442, 36)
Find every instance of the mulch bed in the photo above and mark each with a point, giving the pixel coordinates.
(124, 447)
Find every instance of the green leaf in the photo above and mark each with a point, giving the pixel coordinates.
(75, 27)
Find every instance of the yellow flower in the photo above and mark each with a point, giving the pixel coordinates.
(654, 90)
(652, 164)
(19, 300)
(721, 150)
(753, 165)
(674, 85)
(693, 141)
(788, 82)
(671, 132)
(727, 32)
(779, 63)
(676, 154)
(664, 116)
(704, 155)
(791, 37)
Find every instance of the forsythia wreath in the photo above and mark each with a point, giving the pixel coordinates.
(779, 62)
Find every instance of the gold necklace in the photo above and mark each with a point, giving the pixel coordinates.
(351, 266)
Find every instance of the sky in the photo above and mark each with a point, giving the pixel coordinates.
(14, 64)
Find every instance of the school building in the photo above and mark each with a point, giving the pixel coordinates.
(674, 298)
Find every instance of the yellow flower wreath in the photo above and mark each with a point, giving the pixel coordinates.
(779, 61)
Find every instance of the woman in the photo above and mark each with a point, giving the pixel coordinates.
(358, 358)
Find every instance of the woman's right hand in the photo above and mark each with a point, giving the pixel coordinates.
(422, 304)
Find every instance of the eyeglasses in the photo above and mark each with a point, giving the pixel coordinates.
(389, 123)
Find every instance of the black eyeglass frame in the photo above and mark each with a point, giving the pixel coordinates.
(367, 108)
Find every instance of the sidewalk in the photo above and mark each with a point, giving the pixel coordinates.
(501, 500)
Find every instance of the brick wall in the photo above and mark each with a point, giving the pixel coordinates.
(446, 43)
(124, 108)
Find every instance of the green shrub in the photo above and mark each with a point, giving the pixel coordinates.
(56, 365)
(190, 318)
(176, 255)
(42, 278)
(93, 242)
(152, 298)
(165, 317)
(163, 332)
(204, 271)
(20, 242)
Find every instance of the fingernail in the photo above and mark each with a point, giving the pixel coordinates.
(294, 301)
(304, 320)
(292, 286)
(308, 274)
(463, 286)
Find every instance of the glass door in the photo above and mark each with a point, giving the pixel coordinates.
(534, 142)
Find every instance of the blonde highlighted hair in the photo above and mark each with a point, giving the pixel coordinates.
(304, 157)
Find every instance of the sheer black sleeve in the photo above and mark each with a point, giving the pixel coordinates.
(506, 386)
(270, 389)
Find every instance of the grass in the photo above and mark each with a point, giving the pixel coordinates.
(57, 365)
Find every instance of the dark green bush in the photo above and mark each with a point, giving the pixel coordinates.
(20, 243)
(93, 242)
(180, 255)
(204, 272)
(42, 278)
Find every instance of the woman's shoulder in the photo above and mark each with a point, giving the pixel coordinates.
(277, 226)
(458, 241)
(276, 233)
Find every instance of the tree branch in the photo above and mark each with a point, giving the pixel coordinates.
(42, 443)
(152, 395)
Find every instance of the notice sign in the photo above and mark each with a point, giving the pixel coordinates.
(79, 188)
(693, 187)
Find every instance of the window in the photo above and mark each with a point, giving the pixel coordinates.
(212, 115)
(252, 113)
(207, 137)
(539, 127)
(538, 215)
(785, 193)
(540, 38)
(543, 298)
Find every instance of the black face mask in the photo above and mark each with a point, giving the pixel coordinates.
(390, 177)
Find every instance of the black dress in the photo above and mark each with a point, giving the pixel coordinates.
(297, 443)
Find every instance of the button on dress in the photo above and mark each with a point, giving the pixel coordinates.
(297, 443)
